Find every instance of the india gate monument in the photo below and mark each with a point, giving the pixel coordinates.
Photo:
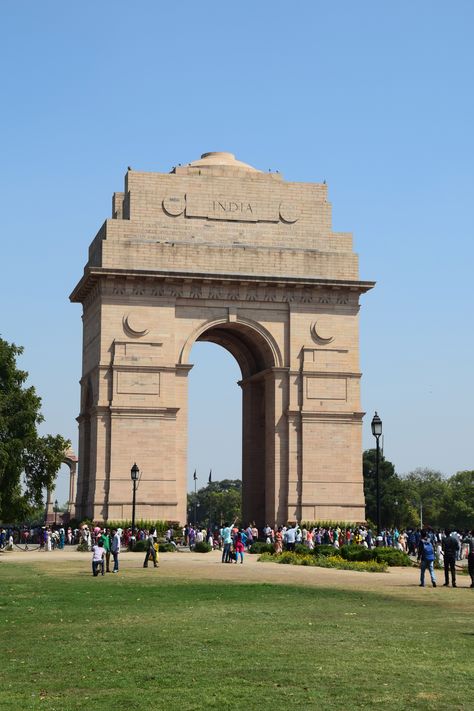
(219, 251)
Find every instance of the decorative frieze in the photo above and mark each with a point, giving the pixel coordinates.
(218, 291)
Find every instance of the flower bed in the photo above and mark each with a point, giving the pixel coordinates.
(335, 561)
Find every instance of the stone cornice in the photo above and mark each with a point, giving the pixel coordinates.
(227, 287)
(325, 415)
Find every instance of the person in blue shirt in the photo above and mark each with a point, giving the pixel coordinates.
(226, 534)
(426, 556)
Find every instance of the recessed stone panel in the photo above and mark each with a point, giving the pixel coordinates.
(326, 388)
(141, 383)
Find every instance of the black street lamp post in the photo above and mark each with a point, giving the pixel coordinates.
(377, 431)
(210, 510)
(56, 509)
(134, 474)
(195, 498)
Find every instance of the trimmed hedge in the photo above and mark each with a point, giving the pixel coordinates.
(390, 556)
(167, 548)
(261, 547)
(145, 524)
(202, 547)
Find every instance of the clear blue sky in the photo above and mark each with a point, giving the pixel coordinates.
(374, 97)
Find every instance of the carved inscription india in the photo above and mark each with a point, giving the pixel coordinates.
(223, 207)
(231, 206)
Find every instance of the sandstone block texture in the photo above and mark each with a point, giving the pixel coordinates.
(219, 251)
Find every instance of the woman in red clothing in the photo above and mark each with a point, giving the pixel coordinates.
(278, 545)
(239, 548)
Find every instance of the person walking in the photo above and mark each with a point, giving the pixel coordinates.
(249, 533)
(115, 548)
(426, 557)
(450, 547)
(150, 550)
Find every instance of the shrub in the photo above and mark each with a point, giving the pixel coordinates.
(202, 547)
(353, 552)
(261, 547)
(83, 548)
(335, 561)
(365, 566)
(301, 549)
(392, 557)
(288, 558)
(324, 551)
(343, 525)
(168, 548)
(140, 546)
(389, 556)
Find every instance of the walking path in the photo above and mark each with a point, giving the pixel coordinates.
(185, 565)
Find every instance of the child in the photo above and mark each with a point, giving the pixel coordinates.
(239, 548)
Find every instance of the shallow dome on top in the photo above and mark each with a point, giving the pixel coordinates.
(221, 159)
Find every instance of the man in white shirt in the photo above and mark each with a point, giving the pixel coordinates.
(290, 537)
(98, 555)
(115, 548)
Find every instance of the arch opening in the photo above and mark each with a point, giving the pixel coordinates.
(256, 360)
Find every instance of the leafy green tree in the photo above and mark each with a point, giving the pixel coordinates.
(427, 490)
(458, 505)
(28, 463)
(220, 500)
(392, 503)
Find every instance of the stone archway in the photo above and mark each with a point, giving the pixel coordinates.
(50, 516)
(260, 363)
(219, 251)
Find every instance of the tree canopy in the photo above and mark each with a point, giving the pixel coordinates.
(219, 501)
(28, 463)
(440, 501)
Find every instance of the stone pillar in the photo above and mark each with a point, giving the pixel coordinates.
(253, 450)
(49, 512)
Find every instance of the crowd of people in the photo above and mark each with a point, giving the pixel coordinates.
(428, 546)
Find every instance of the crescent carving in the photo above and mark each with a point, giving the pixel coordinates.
(317, 338)
(133, 326)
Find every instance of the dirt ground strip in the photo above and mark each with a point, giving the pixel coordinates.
(185, 565)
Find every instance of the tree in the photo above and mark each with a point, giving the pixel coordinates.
(425, 490)
(28, 463)
(458, 505)
(220, 499)
(392, 507)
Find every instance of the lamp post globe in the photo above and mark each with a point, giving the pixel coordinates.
(376, 425)
(377, 431)
(134, 475)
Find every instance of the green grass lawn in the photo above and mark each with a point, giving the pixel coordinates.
(137, 641)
